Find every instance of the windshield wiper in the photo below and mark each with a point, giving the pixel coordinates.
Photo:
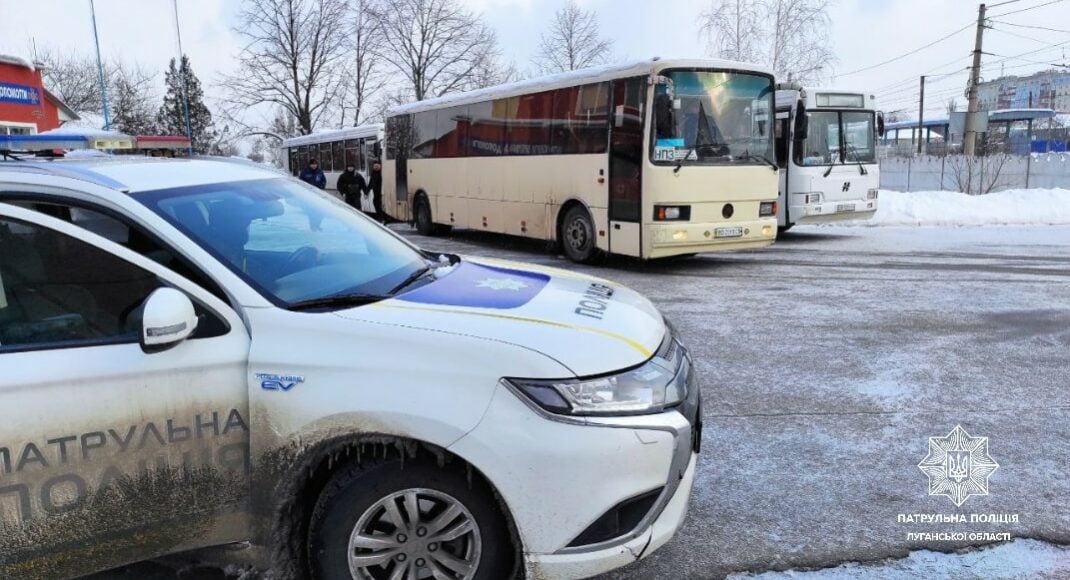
(748, 156)
(336, 301)
(680, 160)
(854, 153)
(410, 280)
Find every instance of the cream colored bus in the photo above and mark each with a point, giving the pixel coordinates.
(648, 159)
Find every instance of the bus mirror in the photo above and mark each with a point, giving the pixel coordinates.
(802, 122)
(880, 125)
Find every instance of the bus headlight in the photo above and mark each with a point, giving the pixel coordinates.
(649, 388)
(672, 213)
(812, 197)
(767, 208)
(871, 194)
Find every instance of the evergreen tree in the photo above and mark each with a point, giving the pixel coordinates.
(172, 116)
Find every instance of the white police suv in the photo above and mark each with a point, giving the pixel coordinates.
(200, 352)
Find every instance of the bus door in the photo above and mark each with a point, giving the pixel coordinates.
(782, 134)
(626, 166)
(401, 140)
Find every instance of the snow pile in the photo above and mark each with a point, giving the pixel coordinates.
(1017, 559)
(949, 208)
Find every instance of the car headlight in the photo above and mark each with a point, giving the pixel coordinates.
(651, 387)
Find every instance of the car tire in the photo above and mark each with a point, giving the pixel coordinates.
(577, 236)
(422, 217)
(475, 544)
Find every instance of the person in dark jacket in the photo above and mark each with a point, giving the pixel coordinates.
(375, 188)
(351, 185)
(312, 175)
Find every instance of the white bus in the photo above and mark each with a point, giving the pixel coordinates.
(648, 159)
(827, 152)
(334, 149)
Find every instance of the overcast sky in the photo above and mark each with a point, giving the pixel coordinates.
(864, 33)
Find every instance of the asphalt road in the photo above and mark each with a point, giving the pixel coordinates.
(826, 363)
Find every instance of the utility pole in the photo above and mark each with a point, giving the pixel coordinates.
(921, 114)
(182, 79)
(969, 138)
(100, 67)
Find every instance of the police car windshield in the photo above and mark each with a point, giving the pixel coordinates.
(291, 242)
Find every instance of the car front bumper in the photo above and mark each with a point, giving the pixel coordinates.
(558, 477)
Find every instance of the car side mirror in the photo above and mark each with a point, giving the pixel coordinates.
(167, 318)
(880, 125)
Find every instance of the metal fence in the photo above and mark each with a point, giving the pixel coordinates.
(975, 175)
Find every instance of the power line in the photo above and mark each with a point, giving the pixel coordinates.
(904, 55)
(1026, 9)
(937, 80)
(1015, 34)
(935, 68)
(1034, 27)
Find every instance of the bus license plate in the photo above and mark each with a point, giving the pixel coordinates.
(728, 233)
(845, 207)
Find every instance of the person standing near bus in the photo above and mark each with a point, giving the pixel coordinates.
(313, 175)
(351, 185)
(375, 188)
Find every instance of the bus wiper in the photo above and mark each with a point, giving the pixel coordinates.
(336, 301)
(854, 153)
(748, 156)
(680, 160)
(410, 280)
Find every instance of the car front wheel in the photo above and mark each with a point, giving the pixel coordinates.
(419, 522)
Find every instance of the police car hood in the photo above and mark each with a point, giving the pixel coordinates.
(589, 325)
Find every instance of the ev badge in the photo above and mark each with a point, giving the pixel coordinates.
(283, 383)
(846, 186)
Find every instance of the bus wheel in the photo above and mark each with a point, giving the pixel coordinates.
(422, 217)
(424, 520)
(578, 236)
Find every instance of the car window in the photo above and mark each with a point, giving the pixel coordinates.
(121, 232)
(58, 291)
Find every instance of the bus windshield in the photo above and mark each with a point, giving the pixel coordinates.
(837, 137)
(707, 117)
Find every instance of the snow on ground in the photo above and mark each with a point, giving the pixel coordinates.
(1017, 559)
(953, 209)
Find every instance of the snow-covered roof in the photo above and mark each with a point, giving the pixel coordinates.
(73, 131)
(573, 78)
(334, 135)
(17, 61)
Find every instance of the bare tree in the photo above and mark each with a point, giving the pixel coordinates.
(73, 78)
(572, 42)
(799, 45)
(292, 57)
(364, 77)
(132, 99)
(434, 44)
(978, 175)
(790, 36)
(733, 29)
